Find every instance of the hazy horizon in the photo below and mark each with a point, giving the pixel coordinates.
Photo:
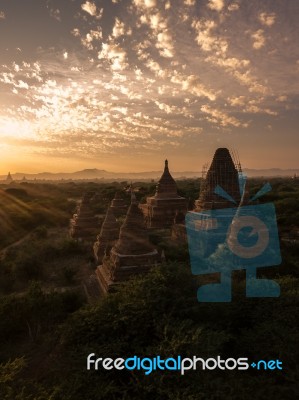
(121, 85)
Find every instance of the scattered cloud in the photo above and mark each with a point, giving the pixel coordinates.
(91, 8)
(150, 74)
(233, 7)
(116, 56)
(118, 29)
(55, 13)
(267, 19)
(258, 39)
(219, 117)
(189, 2)
(216, 5)
(145, 3)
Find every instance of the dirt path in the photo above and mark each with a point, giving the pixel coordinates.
(17, 243)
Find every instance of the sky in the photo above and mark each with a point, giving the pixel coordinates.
(123, 84)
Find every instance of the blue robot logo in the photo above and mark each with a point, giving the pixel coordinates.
(224, 240)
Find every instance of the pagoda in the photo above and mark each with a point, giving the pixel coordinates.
(133, 254)
(223, 172)
(160, 209)
(108, 236)
(84, 223)
(118, 205)
(9, 178)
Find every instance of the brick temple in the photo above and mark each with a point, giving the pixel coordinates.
(133, 254)
(118, 205)
(160, 209)
(108, 236)
(223, 172)
(84, 224)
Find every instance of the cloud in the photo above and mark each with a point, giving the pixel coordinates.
(116, 56)
(258, 39)
(220, 117)
(165, 107)
(145, 3)
(218, 46)
(233, 7)
(216, 5)
(22, 85)
(193, 85)
(230, 63)
(90, 37)
(189, 2)
(246, 78)
(267, 19)
(237, 101)
(206, 40)
(2, 15)
(119, 29)
(165, 45)
(159, 26)
(91, 9)
(55, 13)
(282, 98)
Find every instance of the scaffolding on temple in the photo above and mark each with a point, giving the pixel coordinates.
(223, 172)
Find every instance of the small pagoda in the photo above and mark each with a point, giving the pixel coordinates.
(160, 209)
(84, 224)
(118, 205)
(223, 172)
(9, 178)
(108, 236)
(133, 254)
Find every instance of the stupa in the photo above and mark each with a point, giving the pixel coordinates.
(223, 172)
(108, 236)
(133, 253)
(118, 205)
(9, 178)
(160, 209)
(84, 224)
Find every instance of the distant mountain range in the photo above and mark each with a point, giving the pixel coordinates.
(97, 174)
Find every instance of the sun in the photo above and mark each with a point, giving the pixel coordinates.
(14, 128)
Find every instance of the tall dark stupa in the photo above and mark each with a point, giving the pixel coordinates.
(222, 172)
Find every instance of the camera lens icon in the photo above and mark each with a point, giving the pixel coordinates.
(247, 228)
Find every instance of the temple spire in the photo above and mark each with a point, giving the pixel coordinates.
(84, 223)
(9, 178)
(223, 173)
(118, 205)
(160, 209)
(108, 236)
(133, 238)
(166, 186)
(133, 196)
